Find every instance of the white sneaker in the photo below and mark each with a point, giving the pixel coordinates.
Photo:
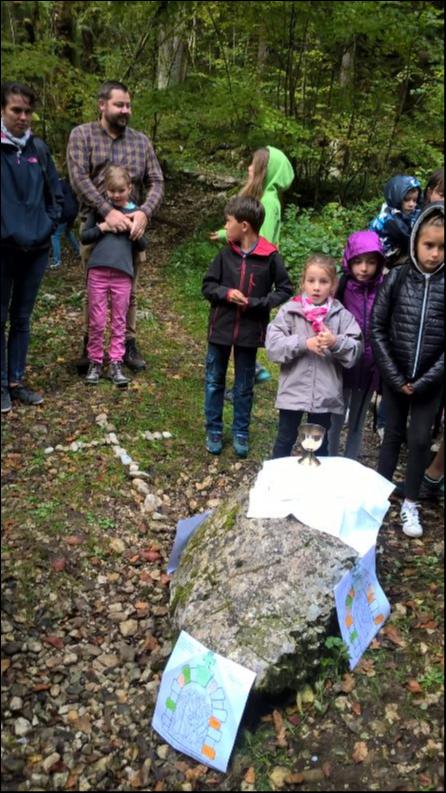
(380, 432)
(411, 519)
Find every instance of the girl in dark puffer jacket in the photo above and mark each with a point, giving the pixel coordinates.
(408, 343)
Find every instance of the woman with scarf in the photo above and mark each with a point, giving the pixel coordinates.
(31, 205)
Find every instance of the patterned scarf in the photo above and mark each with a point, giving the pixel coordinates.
(312, 313)
(19, 142)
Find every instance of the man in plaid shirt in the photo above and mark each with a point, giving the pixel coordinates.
(91, 148)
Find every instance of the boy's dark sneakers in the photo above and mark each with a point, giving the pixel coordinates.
(116, 375)
(6, 400)
(214, 443)
(132, 358)
(94, 373)
(82, 364)
(241, 446)
(431, 489)
(25, 395)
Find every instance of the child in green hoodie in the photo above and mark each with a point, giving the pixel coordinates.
(269, 174)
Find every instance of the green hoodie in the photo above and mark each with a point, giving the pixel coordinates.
(279, 176)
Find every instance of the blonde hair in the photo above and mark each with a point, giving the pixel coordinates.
(326, 263)
(254, 185)
(115, 175)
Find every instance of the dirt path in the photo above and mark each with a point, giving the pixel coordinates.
(85, 628)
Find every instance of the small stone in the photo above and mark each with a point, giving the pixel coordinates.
(59, 447)
(167, 435)
(74, 446)
(140, 486)
(157, 436)
(22, 727)
(113, 439)
(128, 627)
(69, 659)
(49, 450)
(148, 436)
(125, 459)
(16, 704)
(108, 660)
(55, 691)
(162, 751)
(117, 545)
(151, 502)
(157, 516)
(102, 418)
(34, 647)
(49, 761)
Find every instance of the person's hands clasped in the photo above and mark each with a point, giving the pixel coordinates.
(139, 223)
(117, 221)
(314, 345)
(327, 339)
(235, 296)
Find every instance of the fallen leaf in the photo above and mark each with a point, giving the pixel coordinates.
(250, 776)
(58, 564)
(71, 782)
(54, 641)
(278, 776)
(356, 708)
(392, 634)
(348, 683)
(280, 728)
(327, 769)
(165, 579)
(295, 779)
(192, 774)
(366, 667)
(6, 663)
(42, 687)
(360, 752)
(429, 625)
(73, 539)
(414, 687)
(150, 554)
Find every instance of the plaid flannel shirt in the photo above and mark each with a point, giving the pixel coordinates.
(90, 149)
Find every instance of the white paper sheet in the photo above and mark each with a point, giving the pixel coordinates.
(201, 701)
(361, 605)
(341, 497)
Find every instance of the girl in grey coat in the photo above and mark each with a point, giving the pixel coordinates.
(313, 337)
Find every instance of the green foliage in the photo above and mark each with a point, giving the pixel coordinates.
(336, 660)
(306, 231)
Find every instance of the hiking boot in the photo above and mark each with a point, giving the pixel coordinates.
(132, 358)
(94, 373)
(262, 374)
(6, 400)
(82, 364)
(431, 489)
(241, 446)
(411, 519)
(214, 443)
(25, 395)
(116, 375)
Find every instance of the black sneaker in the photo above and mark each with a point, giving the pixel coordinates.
(132, 358)
(25, 395)
(82, 364)
(116, 375)
(94, 373)
(6, 400)
(431, 489)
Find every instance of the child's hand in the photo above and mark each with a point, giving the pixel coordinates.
(327, 338)
(235, 296)
(314, 345)
(213, 236)
(407, 389)
(104, 227)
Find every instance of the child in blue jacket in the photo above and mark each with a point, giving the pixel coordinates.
(397, 217)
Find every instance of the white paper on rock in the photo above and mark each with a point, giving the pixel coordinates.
(201, 701)
(340, 496)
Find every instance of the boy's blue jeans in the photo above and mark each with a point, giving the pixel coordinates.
(216, 366)
(56, 241)
(21, 276)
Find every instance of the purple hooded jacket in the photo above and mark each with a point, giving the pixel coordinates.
(358, 298)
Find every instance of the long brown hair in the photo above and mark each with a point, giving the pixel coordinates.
(254, 185)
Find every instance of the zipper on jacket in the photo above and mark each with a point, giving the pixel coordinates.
(237, 316)
(420, 333)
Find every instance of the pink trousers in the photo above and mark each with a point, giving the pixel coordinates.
(104, 282)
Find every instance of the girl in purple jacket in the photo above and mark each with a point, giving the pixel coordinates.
(362, 263)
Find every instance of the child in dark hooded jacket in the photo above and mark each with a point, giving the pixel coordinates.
(408, 343)
(397, 217)
(362, 263)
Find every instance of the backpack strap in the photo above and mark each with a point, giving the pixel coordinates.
(399, 280)
(341, 287)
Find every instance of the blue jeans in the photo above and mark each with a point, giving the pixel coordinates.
(216, 366)
(21, 276)
(56, 241)
(289, 422)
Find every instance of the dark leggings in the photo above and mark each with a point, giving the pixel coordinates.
(422, 412)
(289, 422)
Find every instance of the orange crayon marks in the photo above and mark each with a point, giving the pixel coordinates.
(349, 620)
(379, 619)
(214, 723)
(208, 751)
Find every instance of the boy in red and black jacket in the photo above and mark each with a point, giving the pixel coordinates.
(244, 282)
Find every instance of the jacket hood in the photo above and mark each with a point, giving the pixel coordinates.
(361, 242)
(262, 248)
(279, 173)
(397, 187)
(435, 208)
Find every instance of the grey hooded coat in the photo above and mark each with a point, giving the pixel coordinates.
(308, 381)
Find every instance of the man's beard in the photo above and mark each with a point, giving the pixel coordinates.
(117, 122)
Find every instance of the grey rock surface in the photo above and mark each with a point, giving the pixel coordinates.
(260, 592)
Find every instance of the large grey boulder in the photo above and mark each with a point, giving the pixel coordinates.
(260, 592)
